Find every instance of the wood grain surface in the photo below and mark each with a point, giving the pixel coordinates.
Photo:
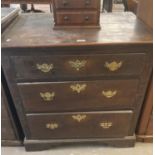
(116, 28)
(145, 12)
(64, 66)
(93, 96)
(69, 128)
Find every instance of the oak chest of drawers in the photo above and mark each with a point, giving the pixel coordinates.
(73, 13)
(75, 86)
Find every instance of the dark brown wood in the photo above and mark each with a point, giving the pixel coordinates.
(10, 135)
(145, 126)
(26, 67)
(133, 5)
(11, 132)
(11, 143)
(145, 12)
(68, 98)
(38, 43)
(7, 130)
(84, 18)
(149, 131)
(73, 13)
(74, 4)
(132, 31)
(108, 5)
(36, 145)
(69, 126)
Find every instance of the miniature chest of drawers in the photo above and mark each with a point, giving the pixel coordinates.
(76, 85)
(73, 13)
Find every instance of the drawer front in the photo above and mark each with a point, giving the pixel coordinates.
(65, 66)
(71, 18)
(77, 4)
(79, 125)
(78, 96)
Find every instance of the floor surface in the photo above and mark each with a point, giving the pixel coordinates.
(139, 149)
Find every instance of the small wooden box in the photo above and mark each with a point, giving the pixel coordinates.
(76, 13)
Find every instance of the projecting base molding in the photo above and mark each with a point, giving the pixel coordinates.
(38, 145)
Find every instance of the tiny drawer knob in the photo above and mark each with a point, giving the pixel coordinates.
(52, 126)
(109, 93)
(47, 96)
(113, 66)
(45, 67)
(106, 125)
(78, 87)
(79, 118)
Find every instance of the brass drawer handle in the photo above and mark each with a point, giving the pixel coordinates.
(47, 96)
(109, 93)
(113, 66)
(78, 64)
(78, 87)
(45, 67)
(106, 125)
(52, 126)
(79, 118)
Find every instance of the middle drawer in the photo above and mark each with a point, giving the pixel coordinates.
(78, 96)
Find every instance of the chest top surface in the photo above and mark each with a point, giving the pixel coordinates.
(36, 30)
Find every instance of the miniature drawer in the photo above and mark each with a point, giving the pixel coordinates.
(76, 18)
(76, 4)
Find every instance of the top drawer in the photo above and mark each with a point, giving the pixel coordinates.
(77, 4)
(77, 66)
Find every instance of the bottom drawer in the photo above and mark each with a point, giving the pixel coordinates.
(79, 125)
(77, 18)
